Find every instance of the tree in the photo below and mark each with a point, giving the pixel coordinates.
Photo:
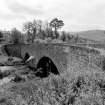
(63, 36)
(56, 24)
(16, 36)
(77, 39)
(34, 29)
(69, 37)
(40, 31)
(30, 29)
(39, 24)
(1, 34)
(48, 30)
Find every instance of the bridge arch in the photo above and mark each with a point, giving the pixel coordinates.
(47, 66)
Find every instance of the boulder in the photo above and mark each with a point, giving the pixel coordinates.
(6, 71)
(5, 80)
(14, 61)
(7, 68)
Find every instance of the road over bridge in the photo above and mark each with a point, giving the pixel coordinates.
(62, 54)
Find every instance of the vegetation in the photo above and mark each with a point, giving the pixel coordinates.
(83, 89)
(16, 36)
(30, 29)
(35, 30)
(56, 24)
(38, 29)
(1, 35)
(63, 36)
(82, 84)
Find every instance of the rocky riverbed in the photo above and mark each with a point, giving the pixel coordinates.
(13, 70)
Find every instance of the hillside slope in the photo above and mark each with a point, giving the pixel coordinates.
(97, 35)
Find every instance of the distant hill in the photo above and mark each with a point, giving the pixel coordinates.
(98, 35)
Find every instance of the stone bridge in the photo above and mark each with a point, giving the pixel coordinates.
(62, 55)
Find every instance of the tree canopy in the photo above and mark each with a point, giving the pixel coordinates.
(56, 24)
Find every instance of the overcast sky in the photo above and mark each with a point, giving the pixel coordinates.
(77, 15)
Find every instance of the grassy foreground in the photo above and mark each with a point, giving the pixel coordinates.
(83, 88)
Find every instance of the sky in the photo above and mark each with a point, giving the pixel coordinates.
(78, 15)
